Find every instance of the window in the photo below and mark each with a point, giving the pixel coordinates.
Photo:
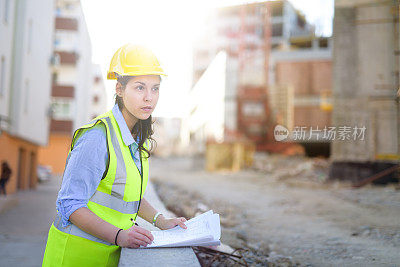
(260, 31)
(277, 9)
(277, 29)
(2, 75)
(54, 77)
(62, 109)
(253, 109)
(301, 22)
(254, 129)
(58, 12)
(57, 42)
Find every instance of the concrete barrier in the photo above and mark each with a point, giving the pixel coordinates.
(157, 256)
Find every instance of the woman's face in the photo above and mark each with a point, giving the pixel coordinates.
(140, 95)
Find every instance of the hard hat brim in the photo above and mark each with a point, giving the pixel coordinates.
(114, 75)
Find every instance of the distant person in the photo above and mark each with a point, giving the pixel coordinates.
(5, 176)
(107, 170)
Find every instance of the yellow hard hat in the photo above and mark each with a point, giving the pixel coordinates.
(133, 60)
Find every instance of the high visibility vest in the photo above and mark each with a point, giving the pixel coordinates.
(116, 200)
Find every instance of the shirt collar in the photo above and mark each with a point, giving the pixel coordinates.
(126, 134)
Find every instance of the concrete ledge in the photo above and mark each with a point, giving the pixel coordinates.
(157, 256)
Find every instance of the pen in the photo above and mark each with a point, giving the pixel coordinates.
(135, 222)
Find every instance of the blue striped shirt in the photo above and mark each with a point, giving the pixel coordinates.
(86, 165)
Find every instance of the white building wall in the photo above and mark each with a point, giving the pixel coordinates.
(7, 33)
(99, 90)
(84, 75)
(31, 79)
(231, 85)
(207, 102)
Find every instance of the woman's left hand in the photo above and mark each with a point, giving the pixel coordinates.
(165, 224)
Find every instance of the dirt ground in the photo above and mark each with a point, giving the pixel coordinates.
(284, 207)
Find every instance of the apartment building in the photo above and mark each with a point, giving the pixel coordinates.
(73, 82)
(25, 86)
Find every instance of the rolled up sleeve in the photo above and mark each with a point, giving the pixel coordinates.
(83, 172)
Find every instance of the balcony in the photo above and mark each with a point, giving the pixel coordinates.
(298, 32)
(69, 58)
(61, 126)
(254, 20)
(62, 91)
(69, 24)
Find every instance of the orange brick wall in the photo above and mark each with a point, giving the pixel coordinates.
(21, 156)
(55, 154)
(311, 117)
(322, 76)
(307, 78)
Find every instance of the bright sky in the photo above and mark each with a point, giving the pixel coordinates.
(168, 28)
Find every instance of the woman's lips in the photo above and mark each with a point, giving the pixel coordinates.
(147, 109)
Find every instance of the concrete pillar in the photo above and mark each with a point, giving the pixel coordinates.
(364, 88)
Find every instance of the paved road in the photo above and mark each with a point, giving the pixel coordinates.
(25, 219)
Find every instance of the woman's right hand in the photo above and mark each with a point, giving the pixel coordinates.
(134, 237)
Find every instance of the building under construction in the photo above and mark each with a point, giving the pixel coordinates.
(274, 61)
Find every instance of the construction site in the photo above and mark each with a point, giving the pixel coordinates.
(290, 135)
(301, 152)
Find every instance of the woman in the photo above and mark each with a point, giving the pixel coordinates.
(5, 176)
(106, 172)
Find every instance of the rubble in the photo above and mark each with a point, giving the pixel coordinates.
(329, 224)
(278, 260)
(279, 167)
(236, 249)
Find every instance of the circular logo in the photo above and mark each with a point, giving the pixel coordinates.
(280, 133)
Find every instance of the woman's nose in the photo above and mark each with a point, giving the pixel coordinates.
(147, 96)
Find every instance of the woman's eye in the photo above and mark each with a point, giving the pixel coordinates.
(140, 87)
(156, 88)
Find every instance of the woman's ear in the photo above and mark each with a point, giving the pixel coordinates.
(118, 89)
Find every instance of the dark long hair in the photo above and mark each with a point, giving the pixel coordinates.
(142, 128)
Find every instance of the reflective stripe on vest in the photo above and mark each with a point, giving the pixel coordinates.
(72, 229)
(118, 186)
(114, 203)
